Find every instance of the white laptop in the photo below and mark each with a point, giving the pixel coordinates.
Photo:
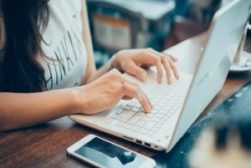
(178, 105)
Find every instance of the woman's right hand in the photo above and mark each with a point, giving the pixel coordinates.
(105, 92)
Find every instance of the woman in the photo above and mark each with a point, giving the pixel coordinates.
(47, 65)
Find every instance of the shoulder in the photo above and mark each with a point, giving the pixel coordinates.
(66, 5)
(62, 11)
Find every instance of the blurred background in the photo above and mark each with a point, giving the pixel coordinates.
(159, 24)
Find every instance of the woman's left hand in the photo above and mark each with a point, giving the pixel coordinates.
(136, 61)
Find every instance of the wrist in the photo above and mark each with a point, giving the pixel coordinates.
(115, 63)
(75, 100)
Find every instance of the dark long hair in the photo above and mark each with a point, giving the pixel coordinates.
(23, 22)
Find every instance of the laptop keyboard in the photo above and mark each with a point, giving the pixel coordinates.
(166, 100)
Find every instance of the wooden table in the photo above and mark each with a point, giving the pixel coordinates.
(45, 145)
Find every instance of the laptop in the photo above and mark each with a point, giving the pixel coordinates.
(177, 106)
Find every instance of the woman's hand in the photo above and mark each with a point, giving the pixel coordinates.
(106, 91)
(135, 61)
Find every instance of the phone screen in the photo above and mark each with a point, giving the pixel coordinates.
(109, 155)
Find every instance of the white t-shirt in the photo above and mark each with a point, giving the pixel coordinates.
(63, 45)
(64, 42)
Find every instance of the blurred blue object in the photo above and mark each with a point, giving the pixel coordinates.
(182, 8)
(120, 24)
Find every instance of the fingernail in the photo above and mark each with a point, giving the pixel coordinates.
(150, 106)
(159, 80)
(149, 109)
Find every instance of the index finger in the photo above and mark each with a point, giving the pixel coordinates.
(175, 70)
(135, 92)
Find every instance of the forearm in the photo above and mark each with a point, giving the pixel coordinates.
(21, 109)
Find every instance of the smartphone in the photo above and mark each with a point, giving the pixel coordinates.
(104, 154)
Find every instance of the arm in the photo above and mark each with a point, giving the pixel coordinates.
(22, 109)
(26, 109)
(92, 73)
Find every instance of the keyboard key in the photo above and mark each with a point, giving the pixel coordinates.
(134, 104)
(125, 116)
(127, 107)
(145, 119)
(140, 123)
(151, 133)
(154, 112)
(155, 129)
(135, 109)
(155, 119)
(149, 125)
(134, 120)
(109, 120)
(141, 114)
(162, 122)
(119, 111)
(120, 124)
(143, 131)
(159, 115)
(149, 115)
(127, 126)
(164, 111)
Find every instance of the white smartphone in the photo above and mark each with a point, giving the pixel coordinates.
(104, 154)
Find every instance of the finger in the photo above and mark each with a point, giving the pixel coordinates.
(167, 66)
(167, 69)
(170, 56)
(137, 71)
(170, 63)
(135, 92)
(154, 59)
(173, 58)
(174, 68)
(159, 69)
